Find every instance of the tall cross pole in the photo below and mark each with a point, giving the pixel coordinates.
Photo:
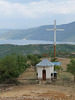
(55, 36)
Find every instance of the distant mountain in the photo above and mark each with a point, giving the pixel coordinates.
(40, 33)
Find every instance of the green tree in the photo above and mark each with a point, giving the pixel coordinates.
(11, 67)
(71, 68)
(22, 63)
(57, 68)
(8, 69)
(54, 60)
(29, 57)
(34, 60)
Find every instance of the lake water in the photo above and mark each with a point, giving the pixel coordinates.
(27, 42)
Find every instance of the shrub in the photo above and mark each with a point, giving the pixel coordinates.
(65, 77)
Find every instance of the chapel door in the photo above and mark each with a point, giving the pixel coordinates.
(44, 74)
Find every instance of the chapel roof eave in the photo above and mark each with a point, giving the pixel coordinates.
(45, 63)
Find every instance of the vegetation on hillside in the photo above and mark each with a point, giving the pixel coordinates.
(61, 50)
(11, 66)
(71, 68)
(34, 59)
(15, 59)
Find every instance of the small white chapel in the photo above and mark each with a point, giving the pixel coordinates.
(45, 70)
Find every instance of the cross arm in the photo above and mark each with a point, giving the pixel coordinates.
(59, 29)
(55, 29)
(50, 29)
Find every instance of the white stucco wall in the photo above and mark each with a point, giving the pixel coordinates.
(49, 70)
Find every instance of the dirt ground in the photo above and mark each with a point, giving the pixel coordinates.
(39, 91)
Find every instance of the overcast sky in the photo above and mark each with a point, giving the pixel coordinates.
(23, 14)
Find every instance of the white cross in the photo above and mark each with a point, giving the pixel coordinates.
(55, 34)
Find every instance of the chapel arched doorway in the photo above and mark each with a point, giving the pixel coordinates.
(44, 74)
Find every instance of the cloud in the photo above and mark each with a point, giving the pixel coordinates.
(36, 9)
(35, 12)
(13, 10)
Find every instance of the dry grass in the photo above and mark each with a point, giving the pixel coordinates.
(41, 90)
(30, 73)
(25, 77)
(64, 62)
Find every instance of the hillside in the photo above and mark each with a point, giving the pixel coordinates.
(28, 90)
(34, 49)
(40, 33)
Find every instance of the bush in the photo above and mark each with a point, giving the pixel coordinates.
(54, 60)
(65, 77)
(11, 67)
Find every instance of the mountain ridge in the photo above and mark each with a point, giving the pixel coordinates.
(40, 33)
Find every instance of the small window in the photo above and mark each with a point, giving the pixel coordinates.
(51, 74)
